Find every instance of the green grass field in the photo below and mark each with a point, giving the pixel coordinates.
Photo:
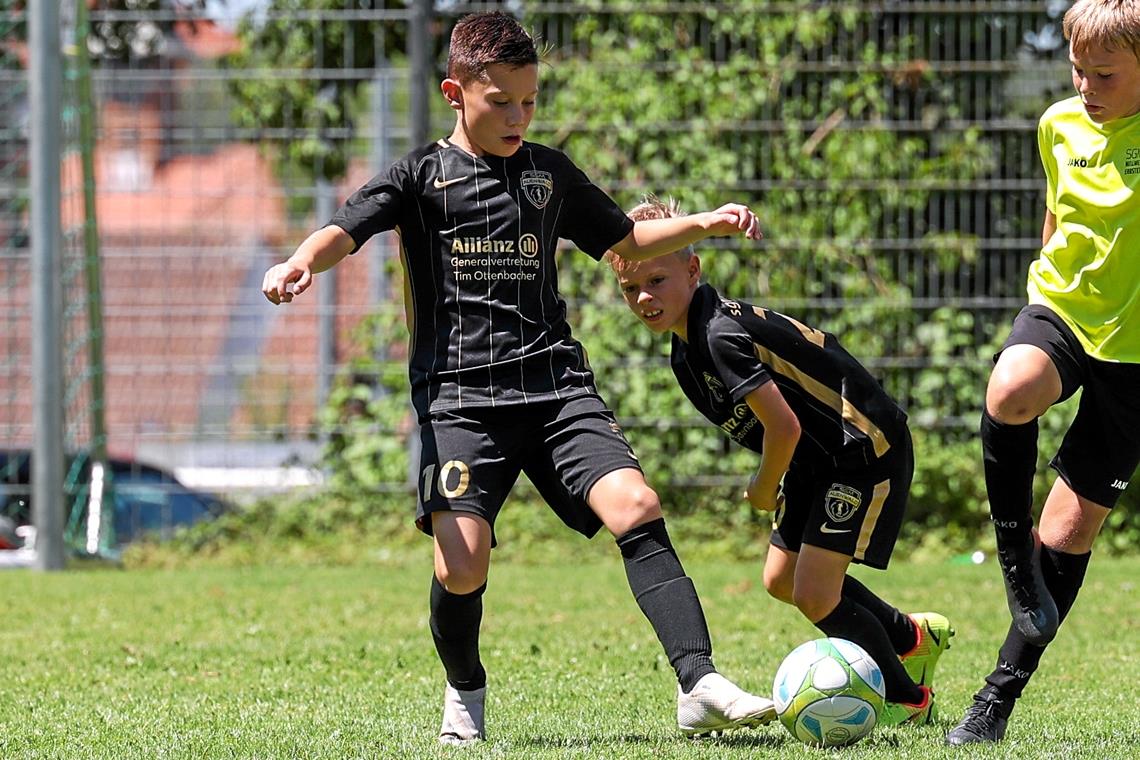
(337, 663)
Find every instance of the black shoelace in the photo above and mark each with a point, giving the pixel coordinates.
(982, 717)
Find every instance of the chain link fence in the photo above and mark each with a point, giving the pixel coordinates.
(221, 139)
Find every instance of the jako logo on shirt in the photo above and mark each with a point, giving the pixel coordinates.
(537, 187)
(1079, 163)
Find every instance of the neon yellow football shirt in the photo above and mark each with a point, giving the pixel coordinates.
(1089, 270)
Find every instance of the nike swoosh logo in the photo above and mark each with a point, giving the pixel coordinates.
(440, 185)
(825, 528)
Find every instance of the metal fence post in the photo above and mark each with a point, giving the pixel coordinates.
(47, 306)
(419, 55)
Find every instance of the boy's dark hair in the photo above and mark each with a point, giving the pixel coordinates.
(482, 39)
(1112, 24)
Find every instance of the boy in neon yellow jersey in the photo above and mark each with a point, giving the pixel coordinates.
(1081, 328)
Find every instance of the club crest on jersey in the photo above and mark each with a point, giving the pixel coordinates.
(537, 186)
(716, 388)
(842, 502)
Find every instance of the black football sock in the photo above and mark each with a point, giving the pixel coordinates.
(899, 627)
(852, 621)
(1009, 456)
(669, 600)
(454, 622)
(1018, 659)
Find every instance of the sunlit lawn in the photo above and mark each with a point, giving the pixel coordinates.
(338, 663)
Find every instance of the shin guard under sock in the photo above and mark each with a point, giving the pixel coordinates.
(898, 625)
(668, 599)
(855, 623)
(454, 622)
(1018, 659)
(1009, 456)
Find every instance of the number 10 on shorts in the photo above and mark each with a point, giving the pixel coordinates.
(445, 476)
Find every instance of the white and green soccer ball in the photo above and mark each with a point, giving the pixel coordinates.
(829, 693)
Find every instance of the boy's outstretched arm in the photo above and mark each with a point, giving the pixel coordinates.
(781, 434)
(320, 251)
(653, 237)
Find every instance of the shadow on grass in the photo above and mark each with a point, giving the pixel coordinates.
(736, 739)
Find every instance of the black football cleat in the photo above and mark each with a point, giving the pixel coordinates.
(1034, 612)
(984, 721)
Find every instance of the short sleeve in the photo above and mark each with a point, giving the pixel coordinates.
(734, 356)
(1045, 148)
(376, 206)
(590, 219)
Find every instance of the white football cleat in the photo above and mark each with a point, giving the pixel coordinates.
(462, 716)
(717, 704)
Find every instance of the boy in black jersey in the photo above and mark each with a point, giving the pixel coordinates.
(499, 384)
(836, 459)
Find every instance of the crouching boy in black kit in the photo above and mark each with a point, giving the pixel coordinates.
(836, 461)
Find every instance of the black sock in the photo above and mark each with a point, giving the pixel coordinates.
(850, 620)
(1018, 659)
(1009, 456)
(899, 627)
(455, 620)
(669, 599)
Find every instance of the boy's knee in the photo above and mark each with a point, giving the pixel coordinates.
(1014, 397)
(779, 587)
(639, 506)
(461, 578)
(812, 605)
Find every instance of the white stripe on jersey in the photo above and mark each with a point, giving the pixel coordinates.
(553, 247)
(490, 309)
(518, 289)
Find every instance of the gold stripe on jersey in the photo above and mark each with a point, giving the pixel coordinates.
(874, 509)
(810, 333)
(827, 396)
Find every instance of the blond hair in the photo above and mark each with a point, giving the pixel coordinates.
(1112, 24)
(651, 207)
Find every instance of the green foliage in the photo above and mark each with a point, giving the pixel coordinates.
(712, 103)
(311, 42)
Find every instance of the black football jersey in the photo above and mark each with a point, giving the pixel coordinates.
(735, 348)
(478, 237)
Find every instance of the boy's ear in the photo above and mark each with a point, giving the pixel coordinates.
(452, 93)
(694, 268)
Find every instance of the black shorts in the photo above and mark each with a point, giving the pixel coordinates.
(471, 458)
(852, 510)
(1101, 449)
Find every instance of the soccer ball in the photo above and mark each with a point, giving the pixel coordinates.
(829, 692)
